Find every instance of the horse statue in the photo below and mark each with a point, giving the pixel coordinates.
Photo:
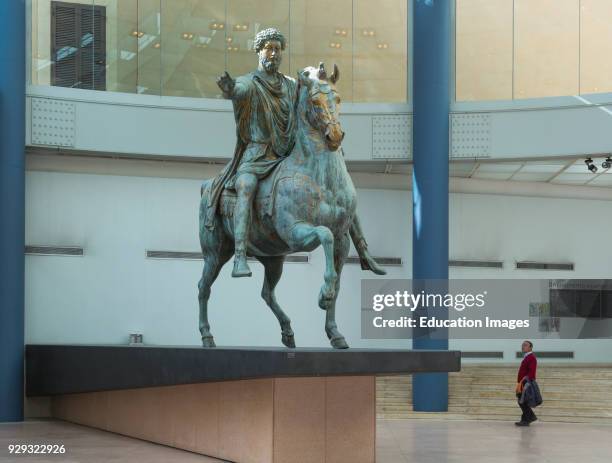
(309, 200)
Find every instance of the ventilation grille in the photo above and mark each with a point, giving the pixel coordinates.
(54, 250)
(544, 266)
(182, 255)
(470, 135)
(476, 263)
(53, 122)
(386, 261)
(392, 136)
(551, 354)
(78, 46)
(482, 355)
(174, 255)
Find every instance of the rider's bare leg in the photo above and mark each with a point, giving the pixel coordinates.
(246, 185)
(366, 260)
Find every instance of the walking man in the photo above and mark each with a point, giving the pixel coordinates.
(526, 372)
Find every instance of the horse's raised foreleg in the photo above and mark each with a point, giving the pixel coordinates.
(341, 250)
(274, 269)
(304, 235)
(212, 266)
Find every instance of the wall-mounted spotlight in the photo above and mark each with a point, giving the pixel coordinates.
(607, 163)
(216, 26)
(241, 27)
(592, 167)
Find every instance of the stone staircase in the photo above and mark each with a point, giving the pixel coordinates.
(571, 393)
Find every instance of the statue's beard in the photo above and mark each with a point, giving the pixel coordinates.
(270, 65)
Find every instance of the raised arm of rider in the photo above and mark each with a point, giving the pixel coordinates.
(240, 89)
(231, 89)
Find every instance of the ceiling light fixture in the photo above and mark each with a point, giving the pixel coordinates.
(592, 167)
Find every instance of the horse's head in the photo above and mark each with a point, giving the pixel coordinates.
(322, 103)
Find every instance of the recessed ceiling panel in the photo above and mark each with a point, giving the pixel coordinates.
(572, 179)
(499, 167)
(492, 175)
(531, 176)
(550, 167)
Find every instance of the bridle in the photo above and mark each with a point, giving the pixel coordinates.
(313, 120)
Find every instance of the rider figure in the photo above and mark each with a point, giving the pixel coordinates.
(263, 103)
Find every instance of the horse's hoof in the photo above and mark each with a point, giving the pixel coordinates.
(339, 343)
(288, 340)
(208, 341)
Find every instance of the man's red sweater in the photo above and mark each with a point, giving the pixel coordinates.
(527, 368)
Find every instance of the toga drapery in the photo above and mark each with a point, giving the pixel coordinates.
(265, 131)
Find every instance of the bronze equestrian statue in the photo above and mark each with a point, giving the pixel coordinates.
(286, 189)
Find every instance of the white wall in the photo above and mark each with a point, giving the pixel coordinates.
(114, 289)
(541, 229)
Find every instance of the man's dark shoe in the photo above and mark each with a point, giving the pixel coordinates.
(522, 423)
(533, 419)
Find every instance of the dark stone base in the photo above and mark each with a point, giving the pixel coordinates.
(66, 369)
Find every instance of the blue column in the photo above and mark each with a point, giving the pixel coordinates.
(431, 98)
(12, 141)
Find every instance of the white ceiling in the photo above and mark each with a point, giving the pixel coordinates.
(556, 171)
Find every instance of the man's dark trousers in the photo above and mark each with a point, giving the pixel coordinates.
(528, 414)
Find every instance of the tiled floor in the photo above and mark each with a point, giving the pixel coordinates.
(402, 441)
(437, 441)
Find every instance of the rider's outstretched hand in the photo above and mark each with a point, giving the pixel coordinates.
(226, 84)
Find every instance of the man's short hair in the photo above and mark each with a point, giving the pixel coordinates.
(266, 35)
(530, 343)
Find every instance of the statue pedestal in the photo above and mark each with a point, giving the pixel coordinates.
(278, 420)
(245, 405)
